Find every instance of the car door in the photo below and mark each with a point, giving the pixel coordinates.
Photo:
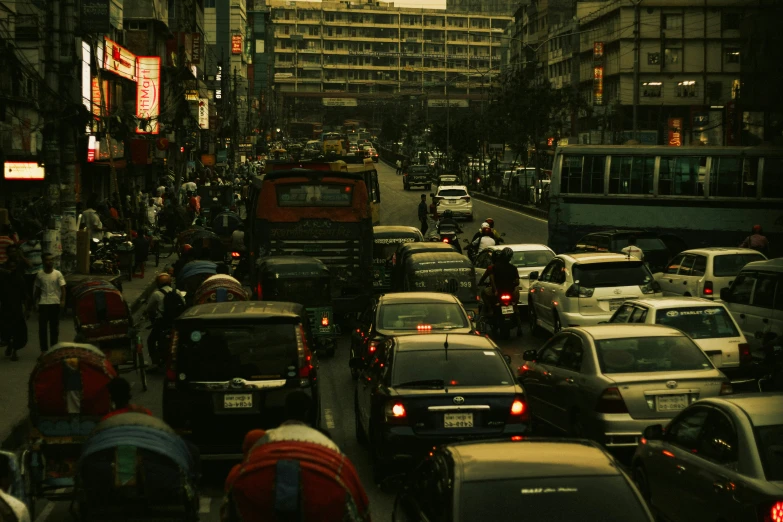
(367, 386)
(665, 465)
(538, 382)
(684, 275)
(695, 281)
(550, 290)
(538, 290)
(639, 314)
(711, 475)
(751, 301)
(669, 280)
(568, 383)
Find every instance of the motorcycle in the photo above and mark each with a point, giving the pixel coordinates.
(505, 316)
(448, 234)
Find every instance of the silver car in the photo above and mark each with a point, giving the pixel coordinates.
(719, 459)
(609, 382)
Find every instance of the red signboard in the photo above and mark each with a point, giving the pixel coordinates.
(675, 132)
(119, 60)
(236, 44)
(96, 98)
(195, 53)
(598, 85)
(598, 50)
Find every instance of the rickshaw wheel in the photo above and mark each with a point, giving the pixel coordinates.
(142, 367)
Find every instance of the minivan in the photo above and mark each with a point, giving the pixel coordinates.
(231, 367)
(656, 253)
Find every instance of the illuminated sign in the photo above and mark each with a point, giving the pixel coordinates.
(86, 83)
(195, 54)
(119, 60)
(191, 95)
(675, 132)
(203, 113)
(598, 50)
(96, 98)
(598, 85)
(148, 93)
(218, 94)
(92, 148)
(26, 170)
(236, 44)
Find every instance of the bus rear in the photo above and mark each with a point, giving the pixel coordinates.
(321, 214)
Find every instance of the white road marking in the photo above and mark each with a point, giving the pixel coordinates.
(204, 504)
(514, 211)
(46, 512)
(329, 418)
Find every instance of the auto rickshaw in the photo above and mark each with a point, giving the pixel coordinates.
(447, 272)
(386, 239)
(406, 250)
(304, 280)
(219, 288)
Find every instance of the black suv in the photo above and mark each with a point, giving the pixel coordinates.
(231, 367)
(420, 175)
(656, 253)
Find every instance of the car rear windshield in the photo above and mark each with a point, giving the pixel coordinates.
(416, 316)
(730, 265)
(700, 322)
(314, 195)
(307, 291)
(532, 258)
(586, 499)
(419, 170)
(221, 352)
(650, 354)
(602, 275)
(452, 193)
(457, 368)
(769, 440)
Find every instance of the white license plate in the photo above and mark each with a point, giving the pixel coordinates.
(238, 400)
(507, 310)
(671, 402)
(458, 420)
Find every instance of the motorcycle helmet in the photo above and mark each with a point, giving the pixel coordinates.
(506, 254)
(448, 214)
(163, 279)
(485, 227)
(490, 222)
(185, 249)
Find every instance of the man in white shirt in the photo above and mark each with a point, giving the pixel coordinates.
(485, 240)
(91, 220)
(49, 295)
(632, 250)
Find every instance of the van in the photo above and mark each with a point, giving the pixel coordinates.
(231, 367)
(755, 300)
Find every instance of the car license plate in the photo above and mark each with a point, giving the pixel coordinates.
(671, 402)
(458, 420)
(238, 401)
(507, 310)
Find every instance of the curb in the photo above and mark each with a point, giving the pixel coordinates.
(18, 435)
(527, 209)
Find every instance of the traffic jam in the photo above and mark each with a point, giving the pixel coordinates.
(364, 361)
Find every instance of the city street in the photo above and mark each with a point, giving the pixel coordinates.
(399, 208)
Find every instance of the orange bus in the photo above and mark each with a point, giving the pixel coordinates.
(323, 213)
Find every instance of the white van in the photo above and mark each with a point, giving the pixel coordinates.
(755, 300)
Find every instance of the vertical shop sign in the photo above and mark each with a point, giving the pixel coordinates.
(148, 94)
(675, 132)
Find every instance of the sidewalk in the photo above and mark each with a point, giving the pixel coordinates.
(14, 375)
(502, 202)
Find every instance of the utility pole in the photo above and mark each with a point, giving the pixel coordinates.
(636, 54)
(52, 139)
(235, 119)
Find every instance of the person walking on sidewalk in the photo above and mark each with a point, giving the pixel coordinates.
(14, 298)
(50, 298)
(423, 213)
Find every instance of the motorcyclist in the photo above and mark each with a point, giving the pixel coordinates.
(491, 223)
(186, 255)
(447, 221)
(485, 240)
(155, 312)
(487, 293)
(505, 277)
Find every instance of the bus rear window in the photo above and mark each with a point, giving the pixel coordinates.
(314, 195)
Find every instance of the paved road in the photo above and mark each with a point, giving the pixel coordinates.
(337, 387)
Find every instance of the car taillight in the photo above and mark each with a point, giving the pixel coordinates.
(259, 293)
(395, 412)
(325, 320)
(235, 254)
(774, 513)
(171, 364)
(726, 388)
(446, 240)
(744, 353)
(466, 198)
(708, 289)
(579, 291)
(373, 346)
(305, 355)
(518, 411)
(505, 299)
(424, 327)
(611, 401)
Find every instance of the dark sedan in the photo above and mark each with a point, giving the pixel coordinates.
(422, 391)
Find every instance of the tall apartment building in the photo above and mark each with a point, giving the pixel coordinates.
(354, 52)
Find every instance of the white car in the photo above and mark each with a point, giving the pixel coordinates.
(704, 272)
(708, 323)
(527, 258)
(586, 289)
(456, 199)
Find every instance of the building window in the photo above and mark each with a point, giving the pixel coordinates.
(652, 89)
(285, 29)
(731, 21)
(686, 88)
(672, 56)
(672, 21)
(732, 56)
(209, 3)
(653, 58)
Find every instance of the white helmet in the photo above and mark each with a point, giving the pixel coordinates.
(485, 225)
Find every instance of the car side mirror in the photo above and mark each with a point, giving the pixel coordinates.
(654, 432)
(529, 355)
(507, 358)
(725, 294)
(533, 276)
(355, 363)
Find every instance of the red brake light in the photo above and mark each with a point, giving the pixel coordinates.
(373, 346)
(708, 290)
(516, 438)
(305, 356)
(466, 198)
(611, 401)
(395, 412)
(776, 512)
(324, 321)
(424, 327)
(445, 240)
(398, 410)
(235, 254)
(517, 407)
(505, 299)
(259, 294)
(518, 412)
(744, 352)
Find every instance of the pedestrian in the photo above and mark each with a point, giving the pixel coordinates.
(7, 238)
(423, 213)
(14, 301)
(399, 167)
(91, 220)
(50, 299)
(32, 251)
(434, 207)
(757, 241)
(632, 250)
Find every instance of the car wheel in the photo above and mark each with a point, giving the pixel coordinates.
(361, 437)
(640, 478)
(556, 326)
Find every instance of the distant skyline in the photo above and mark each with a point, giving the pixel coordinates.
(423, 4)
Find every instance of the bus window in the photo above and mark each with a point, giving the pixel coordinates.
(315, 195)
(726, 178)
(679, 175)
(631, 175)
(582, 174)
(772, 183)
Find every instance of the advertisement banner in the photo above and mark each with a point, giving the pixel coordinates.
(236, 44)
(86, 77)
(195, 54)
(449, 103)
(119, 60)
(203, 113)
(96, 98)
(95, 16)
(26, 170)
(339, 102)
(148, 94)
(598, 85)
(675, 132)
